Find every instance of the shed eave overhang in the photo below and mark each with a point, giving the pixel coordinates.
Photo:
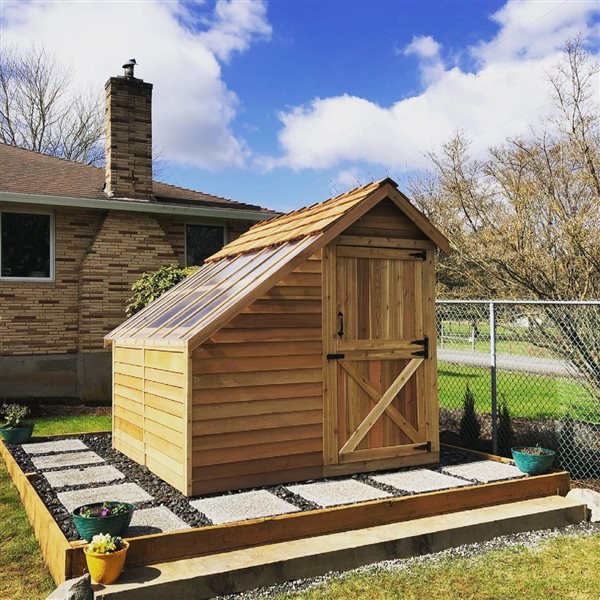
(144, 206)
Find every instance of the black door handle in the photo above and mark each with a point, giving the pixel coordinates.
(341, 329)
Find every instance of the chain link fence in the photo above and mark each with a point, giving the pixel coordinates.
(518, 373)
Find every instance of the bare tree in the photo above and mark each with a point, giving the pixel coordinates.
(40, 110)
(525, 222)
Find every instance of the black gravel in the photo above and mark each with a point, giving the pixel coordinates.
(164, 494)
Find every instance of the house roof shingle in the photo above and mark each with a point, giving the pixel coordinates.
(28, 172)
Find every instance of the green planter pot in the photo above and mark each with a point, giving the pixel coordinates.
(116, 525)
(533, 464)
(17, 435)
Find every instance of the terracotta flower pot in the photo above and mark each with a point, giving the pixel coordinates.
(106, 568)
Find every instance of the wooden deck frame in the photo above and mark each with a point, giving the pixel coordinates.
(66, 559)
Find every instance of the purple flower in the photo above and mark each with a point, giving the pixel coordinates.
(104, 512)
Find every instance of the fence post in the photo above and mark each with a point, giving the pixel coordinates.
(493, 378)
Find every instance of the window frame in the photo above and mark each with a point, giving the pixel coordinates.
(27, 211)
(223, 226)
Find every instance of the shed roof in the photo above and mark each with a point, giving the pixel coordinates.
(245, 269)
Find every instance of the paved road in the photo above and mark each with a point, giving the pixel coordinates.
(508, 362)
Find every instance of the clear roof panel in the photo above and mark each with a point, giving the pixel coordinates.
(203, 299)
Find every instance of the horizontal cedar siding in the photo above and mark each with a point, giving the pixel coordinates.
(257, 409)
(149, 409)
(386, 221)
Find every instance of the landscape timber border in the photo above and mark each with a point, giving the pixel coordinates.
(66, 559)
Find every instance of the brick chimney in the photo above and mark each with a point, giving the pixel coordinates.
(128, 129)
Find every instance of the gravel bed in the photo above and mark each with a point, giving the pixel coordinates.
(163, 494)
(530, 539)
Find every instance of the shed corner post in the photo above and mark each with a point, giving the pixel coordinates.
(188, 431)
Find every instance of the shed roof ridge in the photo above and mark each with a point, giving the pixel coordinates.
(257, 236)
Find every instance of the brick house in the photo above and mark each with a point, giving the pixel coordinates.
(73, 238)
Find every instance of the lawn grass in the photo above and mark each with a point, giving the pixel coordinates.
(23, 574)
(560, 569)
(527, 395)
(58, 424)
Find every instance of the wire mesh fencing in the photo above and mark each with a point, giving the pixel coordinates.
(518, 373)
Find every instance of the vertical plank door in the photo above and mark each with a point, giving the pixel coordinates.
(377, 346)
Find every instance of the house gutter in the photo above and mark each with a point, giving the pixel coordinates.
(145, 206)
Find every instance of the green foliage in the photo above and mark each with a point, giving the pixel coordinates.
(506, 432)
(470, 429)
(13, 416)
(151, 286)
(104, 543)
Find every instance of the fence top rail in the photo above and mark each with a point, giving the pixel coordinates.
(542, 302)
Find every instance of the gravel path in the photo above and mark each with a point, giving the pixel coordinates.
(531, 539)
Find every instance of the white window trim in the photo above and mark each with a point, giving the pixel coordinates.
(222, 225)
(49, 279)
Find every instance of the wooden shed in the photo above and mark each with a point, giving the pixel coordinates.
(305, 348)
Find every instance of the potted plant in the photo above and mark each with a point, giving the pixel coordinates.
(533, 460)
(102, 517)
(13, 427)
(105, 557)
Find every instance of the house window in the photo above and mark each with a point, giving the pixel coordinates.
(202, 241)
(26, 245)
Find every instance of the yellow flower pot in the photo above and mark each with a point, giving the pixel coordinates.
(105, 568)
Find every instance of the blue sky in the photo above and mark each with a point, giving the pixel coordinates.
(285, 103)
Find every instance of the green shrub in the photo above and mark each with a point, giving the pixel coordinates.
(470, 429)
(151, 286)
(13, 416)
(506, 433)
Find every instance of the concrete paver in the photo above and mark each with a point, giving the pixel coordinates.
(333, 493)
(242, 506)
(419, 480)
(484, 471)
(120, 492)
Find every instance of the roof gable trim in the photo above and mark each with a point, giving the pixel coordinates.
(230, 214)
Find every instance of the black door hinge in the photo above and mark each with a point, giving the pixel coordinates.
(421, 254)
(335, 356)
(426, 446)
(425, 343)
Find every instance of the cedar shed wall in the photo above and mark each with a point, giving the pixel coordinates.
(150, 412)
(257, 391)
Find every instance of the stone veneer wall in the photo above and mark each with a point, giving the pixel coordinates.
(126, 245)
(42, 317)
(51, 333)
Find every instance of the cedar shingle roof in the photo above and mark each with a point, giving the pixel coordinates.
(298, 224)
(27, 172)
(246, 268)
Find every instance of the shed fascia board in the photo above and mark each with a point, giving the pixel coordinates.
(229, 214)
(420, 220)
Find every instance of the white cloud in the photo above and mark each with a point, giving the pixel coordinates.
(176, 51)
(348, 179)
(232, 26)
(507, 92)
(423, 46)
(427, 51)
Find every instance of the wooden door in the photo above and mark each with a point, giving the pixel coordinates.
(379, 389)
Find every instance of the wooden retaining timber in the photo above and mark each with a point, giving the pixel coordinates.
(66, 559)
(56, 549)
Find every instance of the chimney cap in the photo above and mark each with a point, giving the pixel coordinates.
(128, 66)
